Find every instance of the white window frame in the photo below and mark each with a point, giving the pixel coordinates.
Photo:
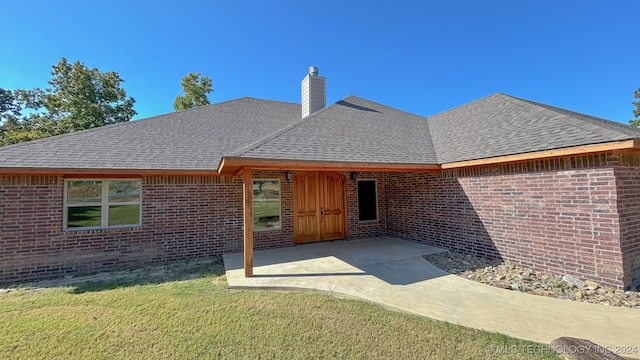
(279, 207)
(375, 182)
(104, 204)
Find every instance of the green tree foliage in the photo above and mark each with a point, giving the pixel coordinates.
(8, 104)
(79, 98)
(14, 127)
(636, 112)
(83, 98)
(195, 88)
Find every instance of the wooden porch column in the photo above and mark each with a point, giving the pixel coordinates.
(248, 223)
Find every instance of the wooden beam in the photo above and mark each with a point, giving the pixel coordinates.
(232, 165)
(238, 172)
(577, 150)
(248, 223)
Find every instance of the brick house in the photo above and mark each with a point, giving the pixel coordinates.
(502, 177)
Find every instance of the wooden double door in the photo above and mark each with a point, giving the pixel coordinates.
(319, 206)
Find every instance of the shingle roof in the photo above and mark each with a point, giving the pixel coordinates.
(193, 139)
(500, 125)
(352, 130)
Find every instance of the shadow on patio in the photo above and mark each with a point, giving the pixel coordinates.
(392, 260)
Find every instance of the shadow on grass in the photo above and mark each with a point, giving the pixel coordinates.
(149, 276)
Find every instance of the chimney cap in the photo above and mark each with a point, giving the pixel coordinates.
(313, 70)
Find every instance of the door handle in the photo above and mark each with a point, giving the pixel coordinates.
(322, 213)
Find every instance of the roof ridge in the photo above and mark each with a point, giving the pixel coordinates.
(338, 114)
(189, 140)
(470, 102)
(431, 142)
(424, 118)
(280, 132)
(196, 107)
(591, 119)
(381, 104)
(136, 122)
(85, 131)
(431, 122)
(59, 136)
(181, 111)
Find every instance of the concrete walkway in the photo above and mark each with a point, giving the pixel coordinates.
(391, 272)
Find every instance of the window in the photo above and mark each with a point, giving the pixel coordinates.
(367, 200)
(266, 204)
(104, 203)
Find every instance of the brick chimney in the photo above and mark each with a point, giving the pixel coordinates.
(314, 92)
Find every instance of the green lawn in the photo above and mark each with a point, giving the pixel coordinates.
(266, 214)
(199, 318)
(87, 216)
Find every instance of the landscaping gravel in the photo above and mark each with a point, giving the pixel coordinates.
(507, 276)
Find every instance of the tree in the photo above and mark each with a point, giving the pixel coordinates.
(79, 98)
(8, 104)
(195, 88)
(15, 128)
(636, 112)
(83, 98)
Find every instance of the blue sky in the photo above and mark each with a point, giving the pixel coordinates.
(420, 56)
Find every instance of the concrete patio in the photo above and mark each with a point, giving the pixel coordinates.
(391, 272)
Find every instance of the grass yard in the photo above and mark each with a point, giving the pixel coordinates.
(87, 216)
(199, 318)
(266, 204)
(266, 214)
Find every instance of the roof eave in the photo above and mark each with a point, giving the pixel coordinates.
(232, 166)
(546, 154)
(103, 172)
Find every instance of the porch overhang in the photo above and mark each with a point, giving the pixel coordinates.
(233, 166)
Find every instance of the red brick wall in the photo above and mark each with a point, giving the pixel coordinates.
(578, 215)
(556, 215)
(627, 174)
(26, 220)
(365, 229)
(183, 217)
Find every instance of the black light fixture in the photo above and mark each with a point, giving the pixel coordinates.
(353, 176)
(289, 176)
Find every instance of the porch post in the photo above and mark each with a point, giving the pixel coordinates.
(248, 223)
